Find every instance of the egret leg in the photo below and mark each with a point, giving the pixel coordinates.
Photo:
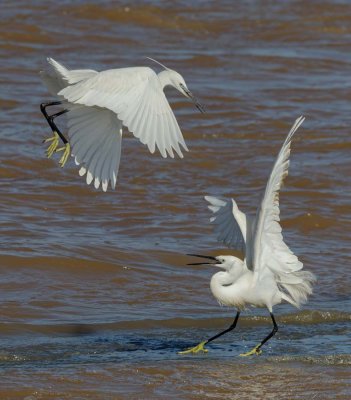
(257, 349)
(57, 133)
(200, 346)
(50, 118)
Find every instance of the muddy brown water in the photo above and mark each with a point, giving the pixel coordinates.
(95, 295)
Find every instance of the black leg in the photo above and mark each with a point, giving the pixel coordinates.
(50, 103)
(232, 326)
(274, 331)
(54, 126)
(200, 346)
(257, 349)
(44, 105)
(50, 118)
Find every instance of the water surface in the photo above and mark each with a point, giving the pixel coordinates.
(96, 297)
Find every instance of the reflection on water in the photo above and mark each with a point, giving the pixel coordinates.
(96, 297)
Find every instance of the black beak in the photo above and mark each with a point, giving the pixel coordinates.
(198, 105)
(203, 263)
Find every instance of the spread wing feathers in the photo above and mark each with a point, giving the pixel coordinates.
(230, 222)
(95, 136)
(137, 97)
(269, 250)
(57, 77)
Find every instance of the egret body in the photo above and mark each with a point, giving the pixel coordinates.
(99, 104)
(270, 272)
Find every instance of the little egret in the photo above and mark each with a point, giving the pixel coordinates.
(270, 272)
(98, 104)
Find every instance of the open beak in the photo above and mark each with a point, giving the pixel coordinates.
(188, 94)
(206, 257)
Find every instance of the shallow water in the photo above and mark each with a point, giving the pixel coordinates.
(96, 297)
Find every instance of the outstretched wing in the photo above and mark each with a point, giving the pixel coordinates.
(269, 249)
(95, 136)
(231, 225)
(137, 97)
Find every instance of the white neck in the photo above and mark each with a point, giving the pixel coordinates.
(223, 286)
(164, 78)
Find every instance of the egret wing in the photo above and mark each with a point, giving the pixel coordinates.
(270, 250)
(230, 223)
(95, 136)
(137, 97)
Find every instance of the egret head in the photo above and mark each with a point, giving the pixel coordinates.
(169, 77)
(228, 262)
(178, 82)
(224, 262)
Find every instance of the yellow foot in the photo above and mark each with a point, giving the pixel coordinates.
(53, 146)
(66, 152)
(256, 350)
(196, 349)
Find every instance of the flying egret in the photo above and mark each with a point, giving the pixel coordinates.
(270, 272)
(98, 104)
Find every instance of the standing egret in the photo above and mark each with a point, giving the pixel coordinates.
(270, 272)
(98, 104)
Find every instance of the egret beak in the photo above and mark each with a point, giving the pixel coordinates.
(190, 96)
(203, 263)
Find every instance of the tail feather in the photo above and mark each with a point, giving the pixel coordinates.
(57, 77)
(296, 286)
(53, 83)
(59, 69)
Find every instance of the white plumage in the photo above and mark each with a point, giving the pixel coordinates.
(100, 103)
(266, 254)
(270, 272)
